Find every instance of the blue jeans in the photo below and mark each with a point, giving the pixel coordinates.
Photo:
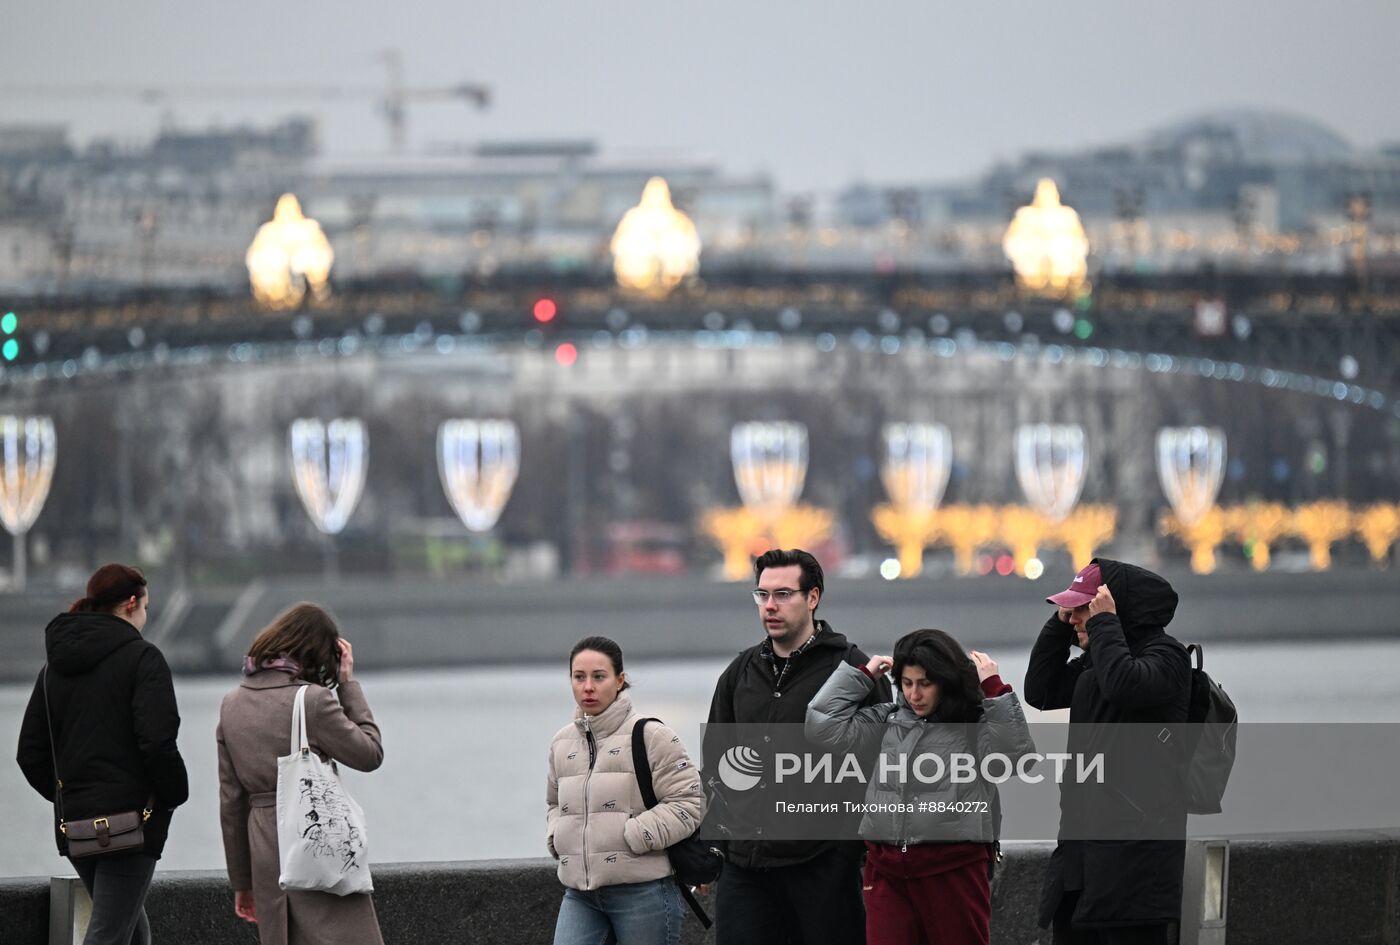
(628, 914)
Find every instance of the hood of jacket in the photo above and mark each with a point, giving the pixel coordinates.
(1145, 602)
(75, 643)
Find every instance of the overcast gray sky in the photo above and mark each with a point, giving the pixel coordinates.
(815, 93)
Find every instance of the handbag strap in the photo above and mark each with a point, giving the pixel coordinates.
(58, 781)
(53, 752)
(299, 742)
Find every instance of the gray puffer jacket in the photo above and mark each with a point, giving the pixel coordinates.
(959, 812)
(599, 828)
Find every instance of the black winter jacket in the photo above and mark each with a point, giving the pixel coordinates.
(748, 691)
(115, 724)
(1132, 672)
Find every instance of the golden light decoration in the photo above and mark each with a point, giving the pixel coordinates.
(966, 528)
(918, 459)
(743, 534)
(288, 257)
(1202, 535)
(1047, 245)
(1191, 467)
(770, 467)
(655, 247)
(1320, 524)
(1024, 529)
(28, 452)
(1257, 526)
(1378, 526)
(1085, 530)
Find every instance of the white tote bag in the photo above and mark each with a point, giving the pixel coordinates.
(321, 837)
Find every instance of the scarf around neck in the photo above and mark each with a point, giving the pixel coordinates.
(281, 662)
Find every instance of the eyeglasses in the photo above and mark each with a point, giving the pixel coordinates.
(782, 595)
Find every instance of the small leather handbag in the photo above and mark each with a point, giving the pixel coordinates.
(111, 833)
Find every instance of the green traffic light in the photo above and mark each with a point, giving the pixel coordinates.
(1083, 328)
(9, 323)
(10, 350)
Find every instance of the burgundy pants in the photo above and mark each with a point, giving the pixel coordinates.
(949, 908)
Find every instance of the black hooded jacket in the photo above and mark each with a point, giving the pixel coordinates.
(114, 725)
(1125, 695)
(750, 693)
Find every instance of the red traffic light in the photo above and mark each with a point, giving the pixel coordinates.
(566, 354)
(545, 310)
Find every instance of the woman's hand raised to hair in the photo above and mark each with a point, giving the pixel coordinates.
(347, 660)
(878, 666)
(986, 666)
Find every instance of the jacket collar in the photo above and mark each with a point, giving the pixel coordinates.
(609, 720)
(270, 679)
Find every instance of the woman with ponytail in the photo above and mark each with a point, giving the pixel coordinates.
(98, 739)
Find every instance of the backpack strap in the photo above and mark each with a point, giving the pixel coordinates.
(641, 766)
(1198, 654)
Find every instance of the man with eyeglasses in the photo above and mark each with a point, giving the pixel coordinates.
(800, 892)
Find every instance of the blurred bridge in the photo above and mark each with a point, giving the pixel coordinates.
(1331, 336)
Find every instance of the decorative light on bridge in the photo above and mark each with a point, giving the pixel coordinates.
(1257, 526)
(1320, 524)
(1047, 245)
(28, 450)
(478, 461)
(289, 256)
(655, 247)
(1378, 526)
(918, 459)
(1050, 469)
(770, 464)
(1191, 466)
(328, 468)
(770, 467)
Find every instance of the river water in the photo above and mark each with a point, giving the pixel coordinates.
(465, 749)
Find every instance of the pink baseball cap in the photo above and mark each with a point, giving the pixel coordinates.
(1081, 590)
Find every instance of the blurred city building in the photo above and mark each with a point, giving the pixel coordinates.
(182, 210)
(1232, 188)
(1260, 188)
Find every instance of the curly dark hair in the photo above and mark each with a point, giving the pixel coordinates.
(947, 664)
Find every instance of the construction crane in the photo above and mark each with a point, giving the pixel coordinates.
(393, 99)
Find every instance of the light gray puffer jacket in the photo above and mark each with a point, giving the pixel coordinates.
(891, 730)
(599, 828)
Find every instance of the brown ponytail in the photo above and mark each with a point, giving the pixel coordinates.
(109, 586)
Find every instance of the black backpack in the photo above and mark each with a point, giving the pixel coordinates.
(1213, 724)
(695, 861)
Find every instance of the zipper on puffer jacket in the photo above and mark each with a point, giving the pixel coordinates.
(903, 831)
(592, 758)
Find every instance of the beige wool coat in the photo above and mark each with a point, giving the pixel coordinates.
(254, 724)
(599, 829)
